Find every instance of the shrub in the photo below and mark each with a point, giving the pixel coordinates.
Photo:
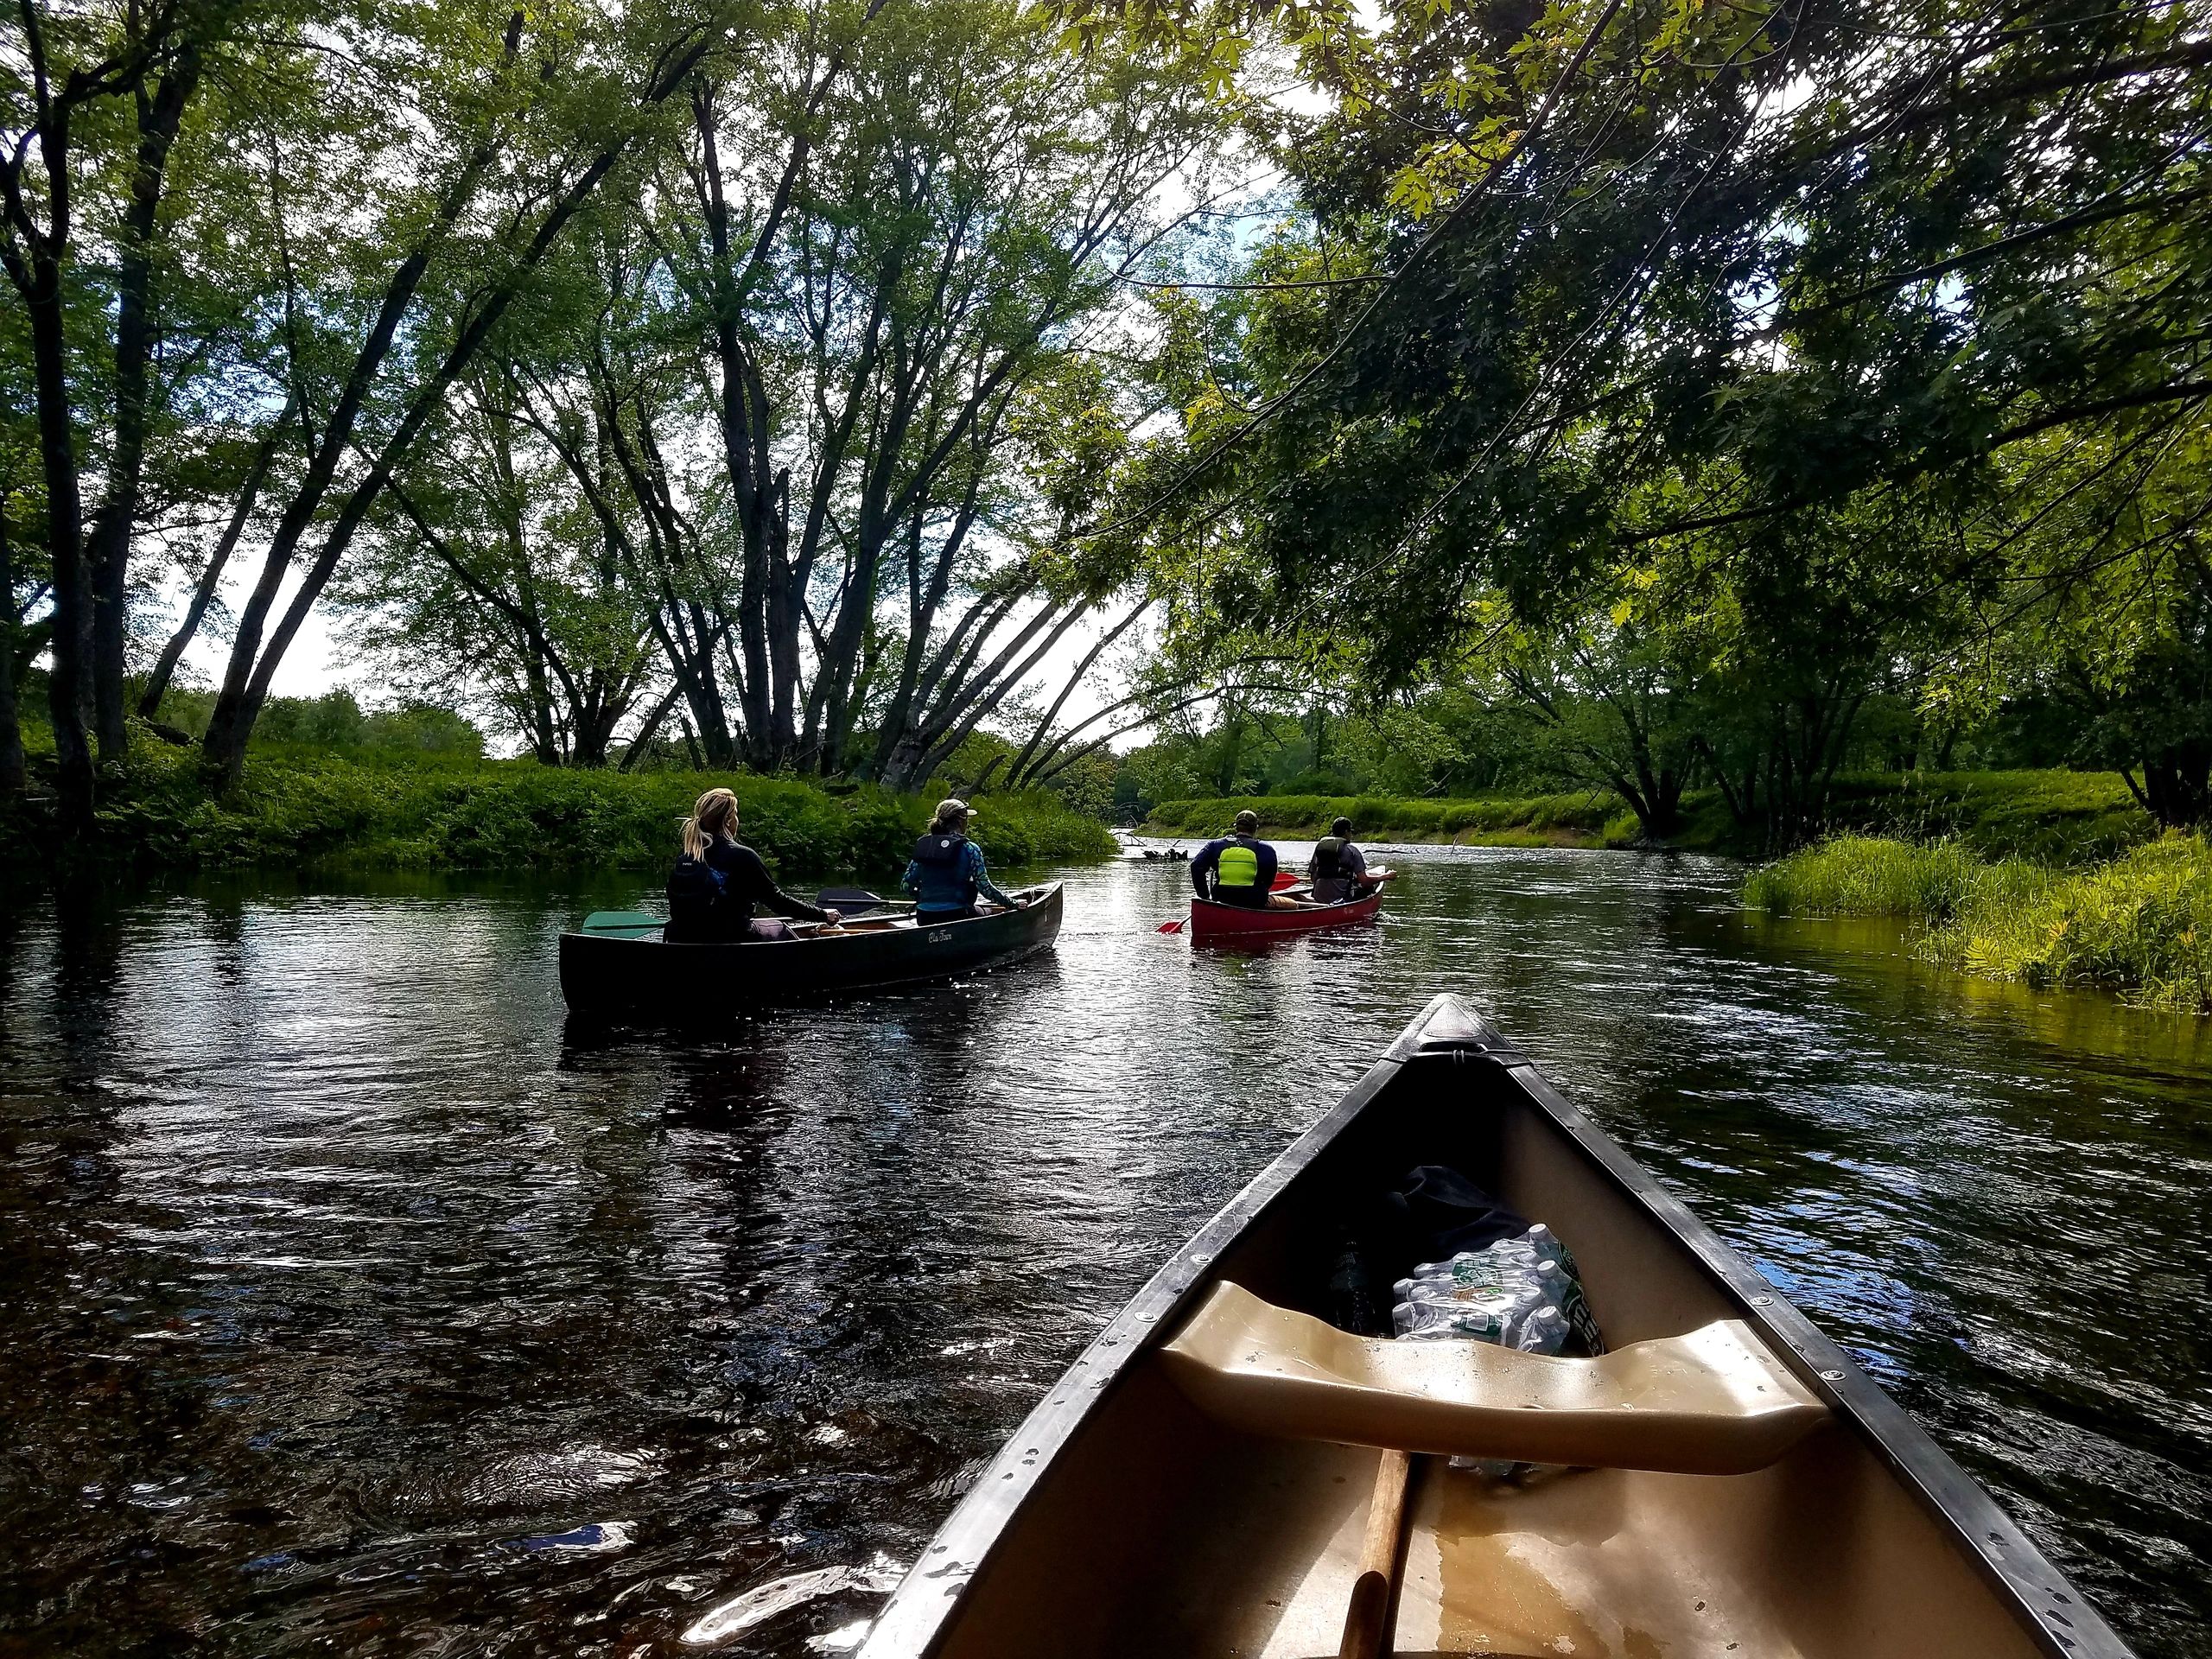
(394, 808)
(1583, 814)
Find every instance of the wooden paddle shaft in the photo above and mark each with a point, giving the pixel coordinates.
(1366, 1637)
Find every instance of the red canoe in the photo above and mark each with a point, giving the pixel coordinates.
(1211, 921)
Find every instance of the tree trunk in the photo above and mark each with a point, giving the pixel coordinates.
(69, 689)
(2178, 784)
(11, 733)
(211, 578)
(108, 554)
(245, 677)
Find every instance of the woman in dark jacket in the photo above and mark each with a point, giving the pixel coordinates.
(719, 879)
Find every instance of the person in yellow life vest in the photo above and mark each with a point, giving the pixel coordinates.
(1240, 869)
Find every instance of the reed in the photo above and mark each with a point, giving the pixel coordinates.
(2140, 924)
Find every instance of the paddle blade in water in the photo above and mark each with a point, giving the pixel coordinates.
(1175, 926)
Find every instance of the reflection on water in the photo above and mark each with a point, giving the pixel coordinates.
(356, 1300)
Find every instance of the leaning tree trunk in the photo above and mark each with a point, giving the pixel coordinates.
(11, 730)
(108, 553)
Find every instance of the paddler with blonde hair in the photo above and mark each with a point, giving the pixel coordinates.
(718, 879)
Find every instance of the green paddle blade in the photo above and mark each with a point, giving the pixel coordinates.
(621, 921)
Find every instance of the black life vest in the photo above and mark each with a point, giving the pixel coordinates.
(1328, 858)
(695, 890)
(947, 852)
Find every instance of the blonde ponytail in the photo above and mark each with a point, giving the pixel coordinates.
(714, 817)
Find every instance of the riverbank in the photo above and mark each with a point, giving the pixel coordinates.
(387, 809)
(2053, 816)
(1583, 819)
(2140, 923)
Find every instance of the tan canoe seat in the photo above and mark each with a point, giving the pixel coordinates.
(1714, 1401)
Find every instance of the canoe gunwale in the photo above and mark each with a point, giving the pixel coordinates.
(1141, 1326)
(840, 964)
(921, 1611)
(1211, 920)
(2063, 1624)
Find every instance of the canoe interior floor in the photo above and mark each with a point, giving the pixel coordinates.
(1595, 1564)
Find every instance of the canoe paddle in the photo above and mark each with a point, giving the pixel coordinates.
(851, 901)
(1385, 1543)
(622, 923)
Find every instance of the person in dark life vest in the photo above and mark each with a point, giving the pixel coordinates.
(946, 874)
(1240, 869)
(718, 879)
(1339, 870)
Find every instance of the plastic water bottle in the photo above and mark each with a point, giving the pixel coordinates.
(1497, 1294)
(1547, 1244)
(1543, 1331)
(1565, 1290)
(1351, 1293)
(1435, 1321)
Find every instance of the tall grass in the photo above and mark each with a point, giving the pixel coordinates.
(1583, 813)
(377, 810)
(2140, 924)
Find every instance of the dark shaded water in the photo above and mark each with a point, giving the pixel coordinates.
(353, 1301)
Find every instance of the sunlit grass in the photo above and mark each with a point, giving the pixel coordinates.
(2140, 924)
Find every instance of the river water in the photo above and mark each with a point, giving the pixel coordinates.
(354, 1301)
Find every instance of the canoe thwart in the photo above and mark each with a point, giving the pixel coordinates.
(1712, 1402)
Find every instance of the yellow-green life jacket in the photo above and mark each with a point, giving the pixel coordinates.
(1239, 866)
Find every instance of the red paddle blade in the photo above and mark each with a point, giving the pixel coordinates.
(1284, 879)
(1175, 926)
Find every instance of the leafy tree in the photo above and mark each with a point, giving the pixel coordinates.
(1751, 320)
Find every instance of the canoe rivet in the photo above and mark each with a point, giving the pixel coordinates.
(1831, 1377)
(1200, 1257)
(1761, 1301)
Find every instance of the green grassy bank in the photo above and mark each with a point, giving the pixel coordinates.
(369, 810)
(1580, 819)
(2140, 922)
(2055, 816)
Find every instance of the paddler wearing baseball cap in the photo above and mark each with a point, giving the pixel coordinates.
(946, 874)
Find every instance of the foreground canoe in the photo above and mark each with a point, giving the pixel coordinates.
(1210, 920)
(620, 974)
(1199, 1483)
